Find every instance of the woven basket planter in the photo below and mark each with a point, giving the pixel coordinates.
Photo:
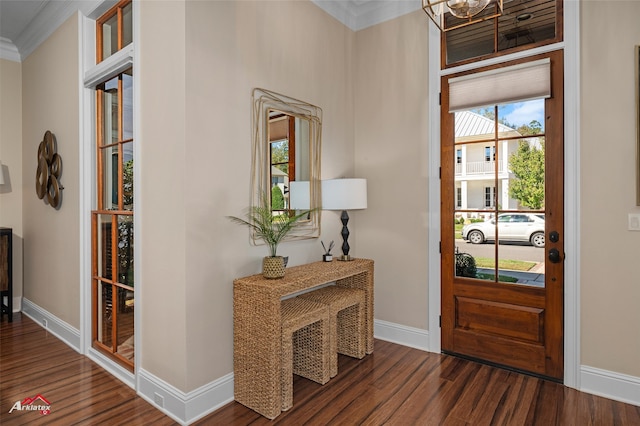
(273, 267)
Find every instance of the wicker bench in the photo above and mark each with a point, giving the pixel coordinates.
(257, 326)
(346, 310)
(305, 344)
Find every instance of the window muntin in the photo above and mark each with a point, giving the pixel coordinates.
(114, 30)
(115, 144)
(522, 25)
(489, 153)
(492, 138)
(113, 286)
(489, 196)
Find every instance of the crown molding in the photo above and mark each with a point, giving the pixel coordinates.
(8, 50)
(355, 14)
(52, 15)
(386, 11)
(339, 10)
(360, 14)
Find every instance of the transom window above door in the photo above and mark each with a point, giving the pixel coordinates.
(523, 24)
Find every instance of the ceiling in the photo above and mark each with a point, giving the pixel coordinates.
(15, 16)
(26, 23)
(359, 14)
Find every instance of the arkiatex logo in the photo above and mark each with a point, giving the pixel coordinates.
(37, 403)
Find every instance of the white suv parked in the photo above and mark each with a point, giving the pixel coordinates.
(511, 227)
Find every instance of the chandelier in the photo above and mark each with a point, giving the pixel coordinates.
(465, 11)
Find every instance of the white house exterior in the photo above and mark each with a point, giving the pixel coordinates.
(475, 172)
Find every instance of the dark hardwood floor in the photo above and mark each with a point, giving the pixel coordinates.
(395, 385)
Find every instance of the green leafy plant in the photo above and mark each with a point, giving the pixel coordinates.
(277, 199)
(269, 227)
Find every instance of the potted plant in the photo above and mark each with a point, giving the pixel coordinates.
(271, 228)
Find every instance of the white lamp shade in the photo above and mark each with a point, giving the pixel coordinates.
(344, 194)
(299, 195)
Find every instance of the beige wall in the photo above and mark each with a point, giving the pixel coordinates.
(162, 137)
(196, 154)
(51, 237)
(391, 151)
(195, 139)
(610, 285)
(11, 158)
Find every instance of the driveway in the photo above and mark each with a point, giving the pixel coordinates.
(510, 251)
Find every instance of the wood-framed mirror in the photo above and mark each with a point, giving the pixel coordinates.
(286, 158)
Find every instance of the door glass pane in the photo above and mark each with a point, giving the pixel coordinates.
(125, 250)
(475, 251)
(520, 262)
(105, 313)
(104, 258)
(500, 189)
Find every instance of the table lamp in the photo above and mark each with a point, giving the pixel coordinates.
(299, 195)
(344, 194)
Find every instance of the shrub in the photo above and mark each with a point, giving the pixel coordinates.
(277, 199)
(466, 265)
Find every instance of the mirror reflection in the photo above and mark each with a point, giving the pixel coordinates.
(286, 158)
(289, 139)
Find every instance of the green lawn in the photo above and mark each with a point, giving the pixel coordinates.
(514, 265)
(458, 232)
(492, 277)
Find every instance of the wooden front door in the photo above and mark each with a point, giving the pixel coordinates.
(502, 229)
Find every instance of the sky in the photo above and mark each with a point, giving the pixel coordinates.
(523, 112)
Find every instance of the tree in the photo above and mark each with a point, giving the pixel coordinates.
(127, 184)
(277, 199)
(280, 155)
(533, 128)
(527, 164)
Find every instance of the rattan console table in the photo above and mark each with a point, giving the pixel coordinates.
(256, 325)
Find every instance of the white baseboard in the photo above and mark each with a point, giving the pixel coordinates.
(53, 324)
(401, 334)
(112, 367)
(609, 384)
(185, 408)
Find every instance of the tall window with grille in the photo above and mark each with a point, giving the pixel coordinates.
(489, 196)
(113, 287)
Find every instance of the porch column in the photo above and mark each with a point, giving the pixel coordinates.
(505, 200)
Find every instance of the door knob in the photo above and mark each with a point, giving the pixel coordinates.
(554, 256)
(554, 237)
